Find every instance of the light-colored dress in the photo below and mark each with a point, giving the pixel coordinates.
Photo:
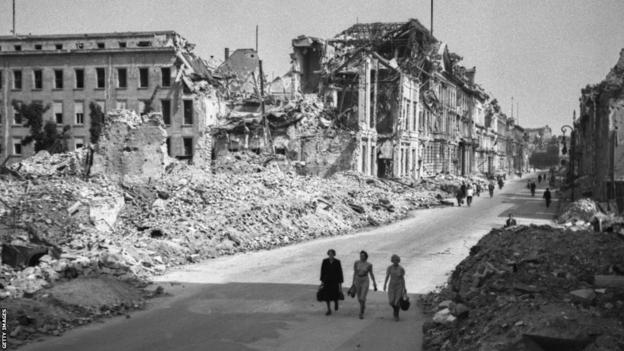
(361, 279)
(396, 287)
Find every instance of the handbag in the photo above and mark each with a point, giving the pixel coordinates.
(341, 295)
(404, 304)
(351, 291)
(319, 294)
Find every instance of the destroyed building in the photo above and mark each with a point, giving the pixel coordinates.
(410, 105)
(596, 151)
(140, 71)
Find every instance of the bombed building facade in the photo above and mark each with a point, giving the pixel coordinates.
(140, 71)
(596, 150)
(412, 108)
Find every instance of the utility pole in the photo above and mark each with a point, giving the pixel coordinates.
(432, 17)
(14, 32)
(518, 112)
(257, 43)
(512, 107)
(262, 109)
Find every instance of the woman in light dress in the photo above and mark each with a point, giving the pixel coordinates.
(361, 270)
(396, 274)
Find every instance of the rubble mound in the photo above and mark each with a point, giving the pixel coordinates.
(532, 286)
(580, 210)
(45, 164)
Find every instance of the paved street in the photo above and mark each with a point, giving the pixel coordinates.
(266, 300)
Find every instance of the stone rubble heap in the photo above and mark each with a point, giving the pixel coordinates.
(527, 286)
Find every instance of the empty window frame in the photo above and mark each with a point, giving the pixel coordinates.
(123, 44)
(79, 77)
(57, 108)
(188, 112)
(17, 47)
(17, 146)
(122, 78)
(100, 74)
(101, 45)
(166, 76)
(37, 79)
(188, 146)
(58, 46)
(17, 117)
(38, 47)
(17, 80)
(79, 143)
(165, 108)
(79, 112)
(143, 77)
(58, 79)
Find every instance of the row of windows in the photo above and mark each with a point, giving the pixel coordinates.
(79, 108)
(79, 142)
(99, 75)
(78, 45)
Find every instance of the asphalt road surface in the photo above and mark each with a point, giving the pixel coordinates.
(266, 300)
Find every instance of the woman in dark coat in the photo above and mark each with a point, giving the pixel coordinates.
(331, 277)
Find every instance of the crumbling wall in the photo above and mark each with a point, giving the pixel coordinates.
(328, 153)
(131, 146)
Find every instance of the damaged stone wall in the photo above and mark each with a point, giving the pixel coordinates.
(328, 153)
(601, 130)
(131, 146)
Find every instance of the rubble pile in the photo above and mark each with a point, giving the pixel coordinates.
(525, 287)
(581, 210)
(45, 164)
(185, 218)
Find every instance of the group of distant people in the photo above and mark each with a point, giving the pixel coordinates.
(332, 279)
(467, 191)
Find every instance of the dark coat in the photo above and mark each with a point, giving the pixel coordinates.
(331, 276)
(547, 195)
(331, 273)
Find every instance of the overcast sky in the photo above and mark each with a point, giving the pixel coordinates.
(541, 52)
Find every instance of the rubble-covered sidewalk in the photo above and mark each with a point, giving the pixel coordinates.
(532, 288)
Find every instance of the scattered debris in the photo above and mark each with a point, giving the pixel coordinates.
(532, 286)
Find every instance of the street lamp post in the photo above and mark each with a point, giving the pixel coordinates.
(564, 151)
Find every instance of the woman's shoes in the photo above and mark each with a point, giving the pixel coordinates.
(361, 316)
(328, 313)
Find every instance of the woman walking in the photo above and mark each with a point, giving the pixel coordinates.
(396, 274)
(361, 270)
(331, 277)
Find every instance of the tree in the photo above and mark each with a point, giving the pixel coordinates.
(97, 122)
(32, 116)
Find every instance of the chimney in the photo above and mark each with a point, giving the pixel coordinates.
(227, 54)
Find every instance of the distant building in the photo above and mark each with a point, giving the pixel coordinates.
(140, 71)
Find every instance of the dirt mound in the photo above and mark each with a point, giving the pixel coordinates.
(69, 304)
(531, 285)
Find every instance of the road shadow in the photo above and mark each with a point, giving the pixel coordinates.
(527, 206)
(244, 317)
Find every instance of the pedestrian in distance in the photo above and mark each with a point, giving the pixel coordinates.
(547, 196)
(332, 279)
(362, 269)
(396, 290)
(459, 195)
(478, 189)
(539, 179)
(500, 183)
(491, 188)
(469, 195)
(510, 221)
(533, 186)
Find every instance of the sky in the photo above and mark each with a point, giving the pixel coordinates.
(540, 52)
